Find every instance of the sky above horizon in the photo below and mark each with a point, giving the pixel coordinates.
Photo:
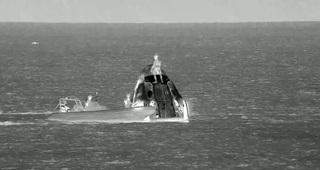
(158, 11)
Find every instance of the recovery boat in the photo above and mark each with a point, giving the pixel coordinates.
(71, 109)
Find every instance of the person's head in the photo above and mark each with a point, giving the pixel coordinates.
(128, 95)
(90, 97)
(141, 77)
(156, 57)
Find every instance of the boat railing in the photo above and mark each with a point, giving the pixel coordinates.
(63, 102)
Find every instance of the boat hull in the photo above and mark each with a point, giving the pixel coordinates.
(130, 114)
(174, 119)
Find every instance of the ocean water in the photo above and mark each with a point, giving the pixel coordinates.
(253, 91)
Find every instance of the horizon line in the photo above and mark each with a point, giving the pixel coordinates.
(240, 22)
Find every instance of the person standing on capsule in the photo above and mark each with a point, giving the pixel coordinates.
(156, 68)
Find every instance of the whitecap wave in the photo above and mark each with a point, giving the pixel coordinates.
(10, 123)
(118, 162)
(28, 113)
(191, 102)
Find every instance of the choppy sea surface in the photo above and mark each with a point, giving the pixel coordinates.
(253, 90)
